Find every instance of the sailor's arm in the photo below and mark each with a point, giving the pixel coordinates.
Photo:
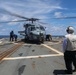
(64, 44)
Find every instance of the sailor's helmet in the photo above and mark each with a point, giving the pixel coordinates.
(70, 29)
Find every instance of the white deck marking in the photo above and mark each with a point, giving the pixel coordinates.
(30, 57)
(37, 56)
(14, 42)
(1, 41)
(54, 43)
(53, 49)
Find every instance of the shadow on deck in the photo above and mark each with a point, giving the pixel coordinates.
(60, 72)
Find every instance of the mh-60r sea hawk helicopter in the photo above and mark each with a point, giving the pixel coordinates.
(33, 31)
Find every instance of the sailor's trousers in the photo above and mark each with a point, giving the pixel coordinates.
(70, 57)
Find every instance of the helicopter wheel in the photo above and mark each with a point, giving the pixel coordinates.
(42, 40)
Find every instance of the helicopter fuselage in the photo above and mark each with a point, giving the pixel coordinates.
(35, 32)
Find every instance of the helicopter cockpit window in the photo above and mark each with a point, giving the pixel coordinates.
(42, 28)
(37, 27)
(33, 28)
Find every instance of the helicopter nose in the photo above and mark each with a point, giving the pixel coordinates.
(41, 34)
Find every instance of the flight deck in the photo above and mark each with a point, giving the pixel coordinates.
(18, 58)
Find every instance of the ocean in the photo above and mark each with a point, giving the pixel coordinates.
(4, 36)
(7, 36)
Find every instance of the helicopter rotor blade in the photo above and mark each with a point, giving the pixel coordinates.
(16, 15)
(43, 23)
(32, 19)
(71, 17)
(12, 21)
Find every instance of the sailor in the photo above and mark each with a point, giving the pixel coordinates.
(15, 37)
(11, 36)
(69, 48)
(48, 37)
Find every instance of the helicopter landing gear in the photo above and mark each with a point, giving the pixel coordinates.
(42, 39)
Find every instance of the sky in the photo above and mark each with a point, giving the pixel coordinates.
(45, 10)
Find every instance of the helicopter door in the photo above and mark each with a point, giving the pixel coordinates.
(29, 29)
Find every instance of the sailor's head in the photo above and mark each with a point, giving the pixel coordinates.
(70, 30)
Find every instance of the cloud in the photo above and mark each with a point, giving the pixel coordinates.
(4, 18)
(3, 31)
(58, 14)
(31, 8)
(13, 23)
(73, 23)
(0, 25)
(55, 30)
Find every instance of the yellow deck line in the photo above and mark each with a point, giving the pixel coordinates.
(30, 57)
(55, 50)
(37, 56)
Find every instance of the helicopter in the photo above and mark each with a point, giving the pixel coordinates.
(32, 31)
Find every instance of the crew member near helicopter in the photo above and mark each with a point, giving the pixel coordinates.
(11, 36)
(69, 48)
(48, 37)
(15, 37)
